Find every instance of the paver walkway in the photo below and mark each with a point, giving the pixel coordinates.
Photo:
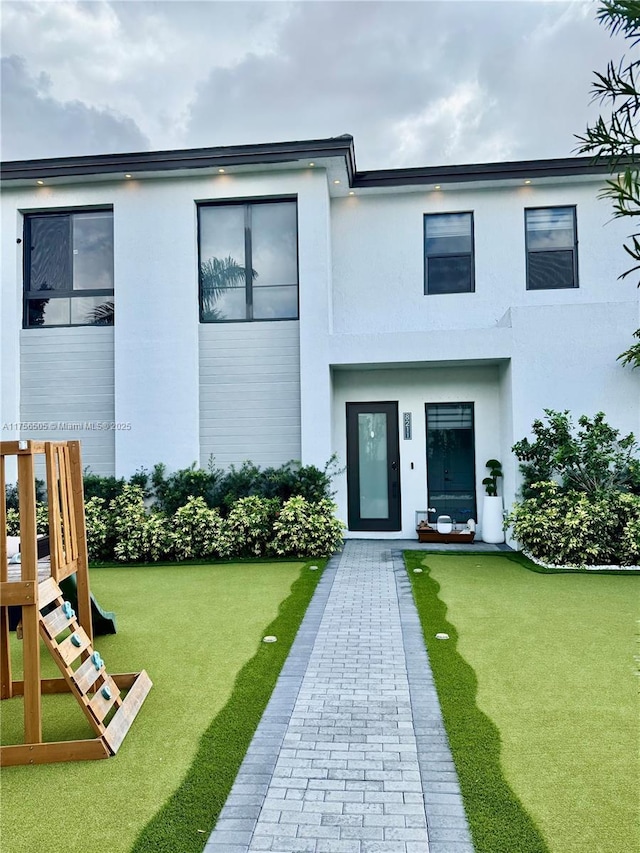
(351, 755)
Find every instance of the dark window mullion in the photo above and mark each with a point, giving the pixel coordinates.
(248, 264)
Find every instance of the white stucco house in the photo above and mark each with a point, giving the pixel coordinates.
(272, 302)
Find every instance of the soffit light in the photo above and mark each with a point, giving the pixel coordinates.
(128, 176)
(527, 182)
(351, 192)
(437, 187)
(336, 181)
(312, 164)
(221, 171)
(40, 183)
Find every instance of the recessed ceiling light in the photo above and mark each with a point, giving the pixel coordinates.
(312, 164)
(336, 181)
(221, 171)
(351, 192)
(527, 182)
(40, 183)
(128, 176)
(437, 187)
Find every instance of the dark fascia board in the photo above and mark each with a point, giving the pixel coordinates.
(287, 152)
(516, 170)
(191, 158)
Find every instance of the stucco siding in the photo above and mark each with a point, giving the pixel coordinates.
(249, 393)
(67, 378)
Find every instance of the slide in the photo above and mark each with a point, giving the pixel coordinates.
(104, 622)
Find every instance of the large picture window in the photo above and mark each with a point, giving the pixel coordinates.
(248, 261)
(68, 269)
(552, 248)
(448, 251)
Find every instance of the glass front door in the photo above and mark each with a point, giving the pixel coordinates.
(451, 481)
(373, 466)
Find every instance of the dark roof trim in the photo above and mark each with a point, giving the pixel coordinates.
(286, 152)
(518, 170)
(191, 158)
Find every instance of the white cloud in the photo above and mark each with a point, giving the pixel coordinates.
(34, 124)
(416, 83)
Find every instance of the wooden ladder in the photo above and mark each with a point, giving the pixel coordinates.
(84, 674)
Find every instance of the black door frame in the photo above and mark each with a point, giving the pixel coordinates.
(471, 404)
(394, 521)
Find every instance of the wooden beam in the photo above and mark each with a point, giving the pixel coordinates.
(5, 655)
(18, 592)
(48, 686)
(46, 753)
(30, 614)
(82, 578)
(127, 712)
(12, 448)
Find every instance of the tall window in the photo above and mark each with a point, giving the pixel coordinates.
(448, 250)
(248, 261)
(552, 248)
(68, 269)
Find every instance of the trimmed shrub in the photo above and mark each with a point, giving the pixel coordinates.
(196, 530)
(42, 520)
(140, 537)
(97, 520)
(248, 529)
(307, 529)
(575, 528)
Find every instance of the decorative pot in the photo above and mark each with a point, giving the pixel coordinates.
(492, 530)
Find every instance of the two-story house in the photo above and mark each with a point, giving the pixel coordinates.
(271, 302)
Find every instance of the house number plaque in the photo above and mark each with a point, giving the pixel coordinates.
(406, 423)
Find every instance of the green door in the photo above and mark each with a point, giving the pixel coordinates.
(451, 480)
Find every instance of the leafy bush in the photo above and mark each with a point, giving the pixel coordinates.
(97, 520)
(196, 529)
(223, 488)
(593, 458)
(576, 528)
(42, 520)
(141, 536)
(108, 488)
(173, 491)
(248, 529)
(307, 529)
(11, 495)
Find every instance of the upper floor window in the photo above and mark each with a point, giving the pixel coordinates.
(68, 269)
(448, 251)
(552, 248)
(248, 261)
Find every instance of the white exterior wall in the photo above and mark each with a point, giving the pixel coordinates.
(158, 356)
(362, 312)
(557, 349)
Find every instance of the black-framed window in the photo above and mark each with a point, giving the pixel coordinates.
(448, 253)
(68, 269)
(248, 260)
(552, 248)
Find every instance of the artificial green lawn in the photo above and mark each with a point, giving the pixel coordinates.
(538, 689)
(194, 629)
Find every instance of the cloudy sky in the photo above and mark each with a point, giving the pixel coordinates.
(416, 83)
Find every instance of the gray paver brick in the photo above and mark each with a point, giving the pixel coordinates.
(351, 755)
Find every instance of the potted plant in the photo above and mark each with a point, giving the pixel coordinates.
(492, 529)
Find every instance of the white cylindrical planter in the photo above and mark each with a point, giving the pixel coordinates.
(492, 530)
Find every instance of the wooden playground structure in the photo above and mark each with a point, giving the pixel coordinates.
(33, 585)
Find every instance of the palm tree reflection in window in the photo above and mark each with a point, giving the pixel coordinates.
(102, 315)
(217, 277)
